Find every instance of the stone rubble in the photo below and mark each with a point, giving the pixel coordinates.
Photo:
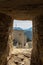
(19, 59)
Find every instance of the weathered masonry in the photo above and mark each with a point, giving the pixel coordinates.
(21, 10)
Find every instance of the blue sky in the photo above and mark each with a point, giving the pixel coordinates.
(22, 23)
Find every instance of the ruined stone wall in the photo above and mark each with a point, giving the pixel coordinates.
(5, 23)
(37, 52)
(20, 38)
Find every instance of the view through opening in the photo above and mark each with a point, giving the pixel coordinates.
(22, 34)
(22, 43)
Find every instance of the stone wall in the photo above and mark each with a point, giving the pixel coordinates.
(37, 52)
(20, 37)
(10, 41)
(5, 23)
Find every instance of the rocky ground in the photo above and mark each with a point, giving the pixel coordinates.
(19, 57)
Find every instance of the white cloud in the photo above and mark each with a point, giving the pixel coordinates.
(22, 23)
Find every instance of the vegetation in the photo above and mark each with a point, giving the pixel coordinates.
(28, 40)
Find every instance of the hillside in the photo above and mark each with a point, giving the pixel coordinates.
(17, 28)
(28, 33)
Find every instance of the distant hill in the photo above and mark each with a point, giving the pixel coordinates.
(17, 28)
(28, 33)
(29, 29)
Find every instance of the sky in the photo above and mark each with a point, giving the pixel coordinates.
(24, 24)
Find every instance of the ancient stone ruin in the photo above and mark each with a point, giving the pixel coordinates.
(21, 10)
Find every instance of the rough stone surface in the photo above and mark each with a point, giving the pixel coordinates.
(18, 59)
(35, 7)
(10, 41)
(5, 23)
(37, 52)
